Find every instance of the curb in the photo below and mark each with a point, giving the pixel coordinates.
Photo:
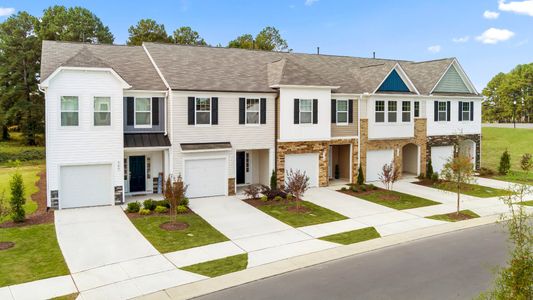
(215, 284)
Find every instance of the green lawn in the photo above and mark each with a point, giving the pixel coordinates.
(36, 254)
(354, 236)
(315, 214)
(199, 232)
(15, 149)
(221, 266)
(472, 190)
(30, 175)
(447, 218)
(528, 203)
(516, 141)
(394, 199)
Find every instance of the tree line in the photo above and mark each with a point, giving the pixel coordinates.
(503, 90)
(21, 36)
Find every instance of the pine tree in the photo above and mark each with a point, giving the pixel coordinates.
(505, 163)
(360, 176)
(17, 201)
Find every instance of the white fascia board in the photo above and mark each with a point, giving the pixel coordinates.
(305, 86)
(463, 75)
(403, 76)
(46, 82)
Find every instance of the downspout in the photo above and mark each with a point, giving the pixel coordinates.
(359, 131)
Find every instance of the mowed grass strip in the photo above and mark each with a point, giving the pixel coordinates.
(30, 175)
(470, 189)
(528, 203)
(392, 199)
(36, 254)
(199, 232)
(450, 217)
(220, 267)
(313, 215)
(354, 236)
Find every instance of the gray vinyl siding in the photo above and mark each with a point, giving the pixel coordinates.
(452, 83)
(157, 128)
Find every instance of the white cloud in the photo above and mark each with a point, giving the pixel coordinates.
(495, 35)
(491, 15)
(310, 2)
(462, 39)
(6, 11)
(434, 48)
(518, 7)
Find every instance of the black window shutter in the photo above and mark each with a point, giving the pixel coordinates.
(296, 111)
(315, 111)
(471, 110)
(448, 110)
(263, 110)
(436, 111)
(214, 110)
(460, 110)
(155, 111)
(242, 110)
(350, 111)
(333, 111)
(130, 110)
(190, 110)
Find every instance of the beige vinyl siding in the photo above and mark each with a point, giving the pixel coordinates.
(452, 83)
(349, 129)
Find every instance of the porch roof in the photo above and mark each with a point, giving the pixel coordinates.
(135, 140)
(205, 146)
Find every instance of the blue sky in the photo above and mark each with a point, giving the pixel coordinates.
(487, 36)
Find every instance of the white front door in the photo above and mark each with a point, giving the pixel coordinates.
(206, 177)
(375, 160)
(307, 162)
(85, 185)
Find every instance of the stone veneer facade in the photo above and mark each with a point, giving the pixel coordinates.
(419, 139)
(320, 147)
(453, 140)
(231, 186)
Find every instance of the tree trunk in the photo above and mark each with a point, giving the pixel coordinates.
(5, 133)
(458, 198)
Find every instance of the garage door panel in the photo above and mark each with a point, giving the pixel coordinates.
(439, 157)
(86, 185)
(206, 177)
(307, 163)
(375, 160)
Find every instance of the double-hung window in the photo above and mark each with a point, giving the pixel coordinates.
(203, 111)
(252, 111)
(406, 111)
(143, 112)
(69, 111)
(342, 111)
(306, 111)
(466, 111)
(380, 111)
(442, 111)
(417, 109)
(102, 111)
(391, 111)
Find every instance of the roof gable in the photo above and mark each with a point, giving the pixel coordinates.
(451, 82)
(393, 83)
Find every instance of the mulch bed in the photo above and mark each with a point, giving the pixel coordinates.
(459, 217)
(41, 215)
(172, 226)
(6, 245)
(370, 191)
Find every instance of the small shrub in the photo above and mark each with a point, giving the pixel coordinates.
(505, 163)
(363, 188)
(289, 197)
(355, 189)
(161, 209)
(273, 180)
(486, 172)
(526, 162)
(133, 207)
(18, 214)
(184, 201)
(343, 188)
(144, 212)
(360, 176)
(252, 191)
(435, 177)
(181, 209)
(164, 203)
(264, 198)
(272, 193)
(278, 198)
(372, 187)
(429, 169)
(149, 204)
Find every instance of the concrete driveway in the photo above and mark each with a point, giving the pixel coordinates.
(98, 236)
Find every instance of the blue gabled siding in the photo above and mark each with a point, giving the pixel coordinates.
(393, 83)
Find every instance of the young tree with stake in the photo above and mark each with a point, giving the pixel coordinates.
(458, 171)
(297, 184)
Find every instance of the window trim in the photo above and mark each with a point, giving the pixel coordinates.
(101, 111)
(61, 113)
(445, 111)
(309, 111)
(384, 111)
(406, 111)
(467, 111)
(210, 111)
(258, 112)
(392, 111)
(149, 125)
(347, 111)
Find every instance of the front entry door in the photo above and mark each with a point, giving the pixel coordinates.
(137, 174)
(240, 167)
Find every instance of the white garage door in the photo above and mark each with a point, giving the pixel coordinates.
(87, 185)
(206, 177)
(307, 163)
(439, 157)
(375, 160)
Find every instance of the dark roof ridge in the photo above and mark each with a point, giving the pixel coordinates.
(90, 44)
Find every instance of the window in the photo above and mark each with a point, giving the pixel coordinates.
(143, 112)
(406, 111)
(380, 111)
(342, 111)
(102, 111)
(466, 111)
(417, 109)
(69, 111)
(252, 111)
(203, 111)
(306, 111)
(392, 107)
(442, 110)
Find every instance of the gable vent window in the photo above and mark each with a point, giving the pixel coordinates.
(102, 111)
(203, 111)
(143, 112)
(342, 111)
(417, 109)
(306, 111)
(406, 111)
(252, 111)
(392, 108)
(69, 111)
(380, 111)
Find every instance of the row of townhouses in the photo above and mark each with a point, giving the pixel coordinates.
(121, 119)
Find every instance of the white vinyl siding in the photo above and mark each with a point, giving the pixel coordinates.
(102, 111)
(69, 111)
(143, 112)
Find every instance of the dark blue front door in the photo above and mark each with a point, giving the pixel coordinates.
(137, 174)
